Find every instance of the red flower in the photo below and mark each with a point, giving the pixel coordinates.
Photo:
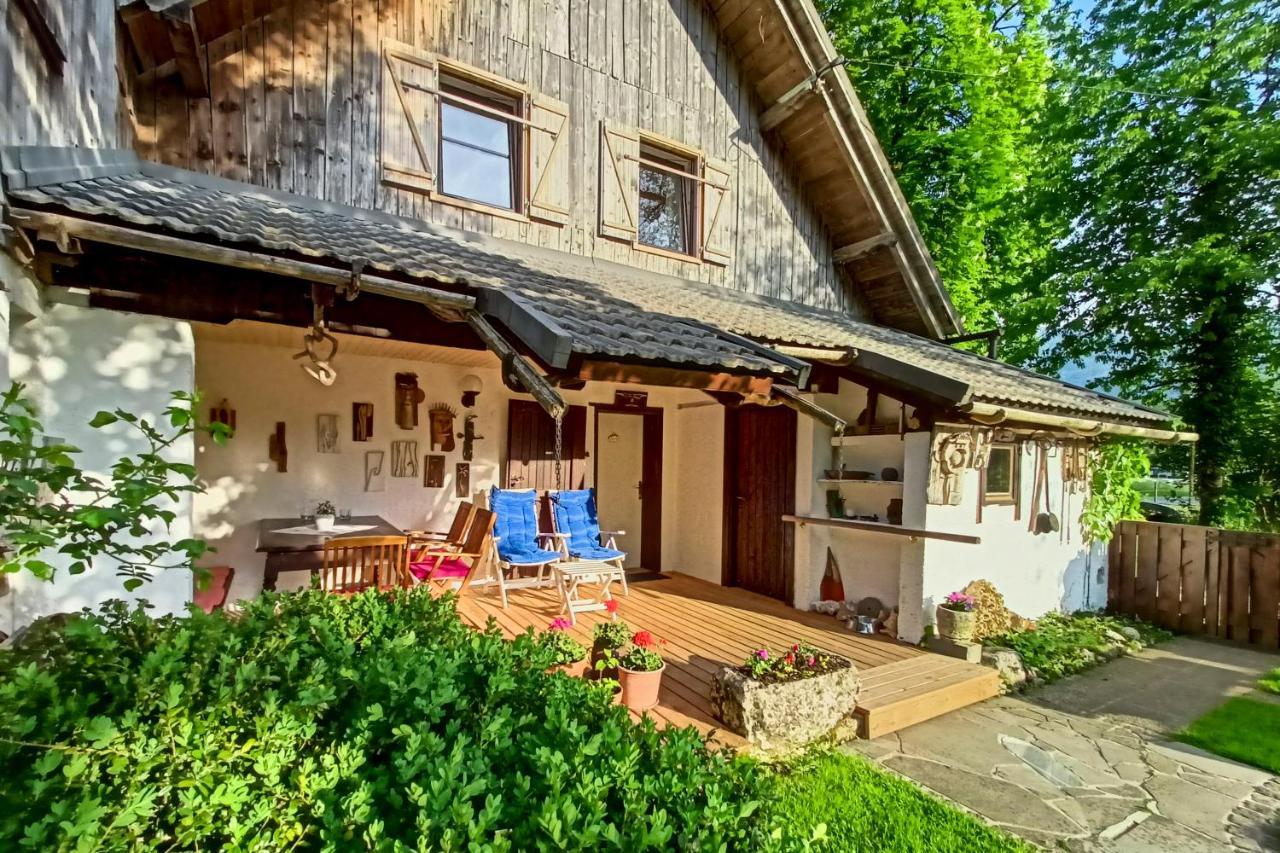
(796, 647)
(644, 640)
(790, 659)
(611, 605)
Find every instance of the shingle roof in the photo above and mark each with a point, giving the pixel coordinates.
(594, 307)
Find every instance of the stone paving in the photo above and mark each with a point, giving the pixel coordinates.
(1085, 764)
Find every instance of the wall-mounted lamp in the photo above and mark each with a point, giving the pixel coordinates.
(471, 388)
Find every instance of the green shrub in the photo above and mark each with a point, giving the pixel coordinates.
(314, 722)
(1062, 645)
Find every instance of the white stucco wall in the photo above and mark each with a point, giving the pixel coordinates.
(265, 385)
(76, 361)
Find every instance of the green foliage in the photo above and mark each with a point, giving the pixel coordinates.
(1116, 465)
(1062, 645)
(562, 647)
(316, 722)
(1270, 682)
(325, 508)
(844, 803)
(1242, 729)
(802, 660)
(49, 504)
(611, 635)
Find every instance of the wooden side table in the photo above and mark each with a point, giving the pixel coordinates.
(571, 576)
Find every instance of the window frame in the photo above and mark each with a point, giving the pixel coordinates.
(692, 181)
(1009, 498)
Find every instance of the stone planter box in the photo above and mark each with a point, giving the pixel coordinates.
(784, 717)
(957, 625)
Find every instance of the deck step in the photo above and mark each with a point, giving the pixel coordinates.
(907, 692)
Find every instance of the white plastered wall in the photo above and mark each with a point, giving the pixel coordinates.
(76, 361)
(265, 385)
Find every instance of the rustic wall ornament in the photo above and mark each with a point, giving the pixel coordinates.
(277, 450)
(361, 421)
(375, 471)
(223, 414)
(442, 427)
(404, 459)
(462, 481)
(408, 397)
(327, 433)
(434, 476)
(952, 453)
(469, 437)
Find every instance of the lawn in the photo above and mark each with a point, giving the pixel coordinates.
(1270, 682)
(867, 809)
(1242, 729)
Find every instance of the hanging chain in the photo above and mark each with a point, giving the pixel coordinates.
(559, 446)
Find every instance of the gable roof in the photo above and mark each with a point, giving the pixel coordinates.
(559, 304)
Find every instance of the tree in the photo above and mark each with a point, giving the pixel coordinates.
(1168, 274)
(954, 89)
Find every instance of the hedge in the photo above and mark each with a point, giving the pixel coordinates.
(313, 722)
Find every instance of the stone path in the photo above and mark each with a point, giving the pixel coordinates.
(1085, 765)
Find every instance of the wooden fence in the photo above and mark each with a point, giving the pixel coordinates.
(1198, 580)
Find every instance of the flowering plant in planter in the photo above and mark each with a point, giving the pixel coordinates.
(564, 648)
(639, 670)
(800, 661)
(959, 601)
(957, 617)
(611, 635)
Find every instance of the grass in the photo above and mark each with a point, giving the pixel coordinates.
(867, 809)
(1271, 681)
(1243, 730)
(1062, 645)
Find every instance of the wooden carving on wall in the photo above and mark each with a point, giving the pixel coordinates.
(442, 427)
(223, 414)
(469, 437)
(277, 451)
(408, 397)
(434, 476)
(361, 421)
(404, 459)
(952, 453)
(462, 481)
(375, 471)
(327, 433)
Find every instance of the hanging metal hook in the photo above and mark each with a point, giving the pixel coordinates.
(320, 367)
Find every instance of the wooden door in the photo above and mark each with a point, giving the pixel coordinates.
(531, 447)
(760, 488)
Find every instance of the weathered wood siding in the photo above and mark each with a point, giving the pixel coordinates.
(78, 108)
(294, 104)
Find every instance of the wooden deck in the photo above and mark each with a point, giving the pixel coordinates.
(706, 626)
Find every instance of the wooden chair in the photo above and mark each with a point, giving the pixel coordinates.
(453, 536)
(457, 567)
(356, 563)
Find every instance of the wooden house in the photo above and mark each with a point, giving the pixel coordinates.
(655, 244)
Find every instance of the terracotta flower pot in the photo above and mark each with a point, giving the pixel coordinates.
(577, 669)
(956, 625)
(640, 689)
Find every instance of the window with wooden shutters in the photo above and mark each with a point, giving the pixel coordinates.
(619, 181)
(410, 112)
(549, 159)
(717, 212)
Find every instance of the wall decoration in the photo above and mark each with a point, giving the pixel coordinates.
(442, 427)
(434, 476)
(953, 452)
(223, 414)
(471, 388)
(468, 436)
(631, 399)
(361, 421)
(327, 433)
(408, 397)
(375, 471)
(404, 459)
(462, 481)
(277, 451)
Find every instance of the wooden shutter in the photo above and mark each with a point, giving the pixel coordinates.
(717, 212)
(549, 160)
(410, 117)
(619, 180)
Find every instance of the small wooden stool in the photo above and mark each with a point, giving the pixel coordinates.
(570, 576)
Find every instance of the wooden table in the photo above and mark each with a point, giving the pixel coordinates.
(570, 576)
(299, 552)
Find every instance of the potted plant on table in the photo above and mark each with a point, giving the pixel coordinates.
(639, 668)
(325, 514)
(567, 654)
(957, 616)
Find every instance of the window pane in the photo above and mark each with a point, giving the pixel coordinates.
(663, 211)
(476, 175)
(1000, 471)
(482, 131)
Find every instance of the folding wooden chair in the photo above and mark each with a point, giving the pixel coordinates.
(457, 567)
(453, 536)
(356, 563)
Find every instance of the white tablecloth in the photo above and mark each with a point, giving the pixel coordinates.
(336, 530)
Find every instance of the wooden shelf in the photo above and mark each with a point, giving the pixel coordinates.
(881, 527)
(830, 482)
(869, 438)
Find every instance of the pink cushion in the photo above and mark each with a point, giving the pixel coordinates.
(450, 568)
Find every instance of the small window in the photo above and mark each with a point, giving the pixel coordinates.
(479, 143)
(1000, 480)
(668, 200)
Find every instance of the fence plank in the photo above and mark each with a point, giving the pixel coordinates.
(1144, 582)
(1168, 575)
(1264, 596)
(1128, 567)
(1213, 620)
(1194, 565)
(1114, 559)
(1238, 605)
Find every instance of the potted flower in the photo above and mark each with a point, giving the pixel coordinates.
(640, 669)
(567, 654)
(608, 638)
(957, 617)
(325, 514)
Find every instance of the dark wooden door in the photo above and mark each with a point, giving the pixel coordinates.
(760, 488)
(531, 447)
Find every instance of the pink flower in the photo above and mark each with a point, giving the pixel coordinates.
(812, 661)
(559, 624)
(763, 654)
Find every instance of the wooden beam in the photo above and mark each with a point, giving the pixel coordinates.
(533, 381)
(143, 241)
(853, 251)
(186, 50)
(44, 35)
(881, 527)
(787, 105)
(609, 371)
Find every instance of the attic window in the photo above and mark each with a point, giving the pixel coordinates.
(668, 200)
(480, 134)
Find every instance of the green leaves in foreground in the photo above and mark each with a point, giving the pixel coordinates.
(314, 722)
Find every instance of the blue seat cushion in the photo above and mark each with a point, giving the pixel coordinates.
(516, 527)
(575, 514)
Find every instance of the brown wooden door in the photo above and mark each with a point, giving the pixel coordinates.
(760, 488)
(531, 447)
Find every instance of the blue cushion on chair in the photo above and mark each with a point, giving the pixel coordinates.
(575, 512)
(516, 527)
